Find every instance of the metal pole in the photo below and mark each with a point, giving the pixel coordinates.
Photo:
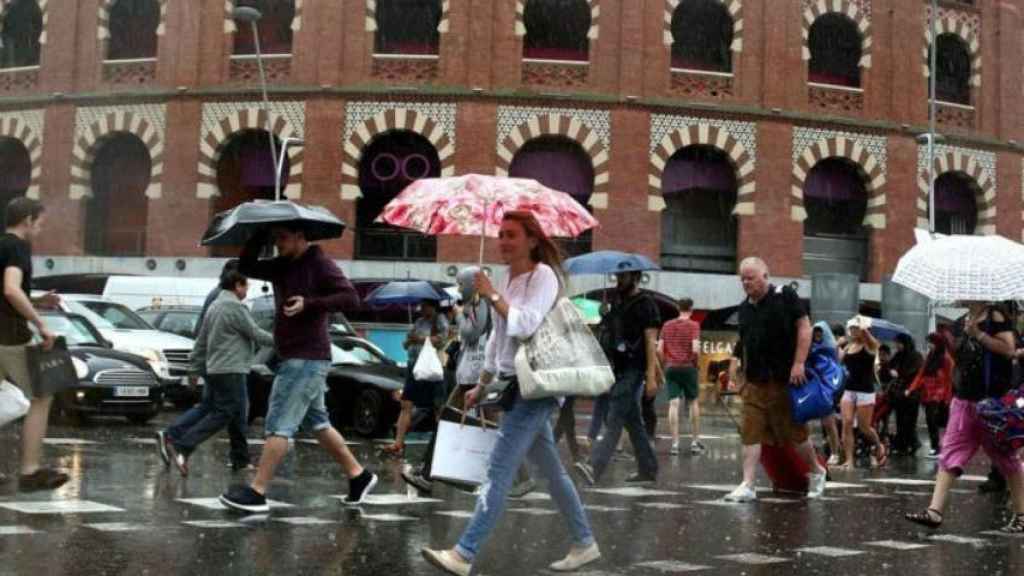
(266, 108)
(931, 116)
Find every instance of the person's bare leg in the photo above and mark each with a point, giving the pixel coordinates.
(404, 419)
(810, 457)
(334, 443)
(33, 430)
(832, 433)
(751, 458)
(848, 416)
(940, 495)
(274, 451)
(695, 419)
(673, 419)
(864, 415)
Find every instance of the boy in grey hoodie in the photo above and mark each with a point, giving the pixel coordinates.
(223, 353)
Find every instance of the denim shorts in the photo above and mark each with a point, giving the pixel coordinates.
(297, 398)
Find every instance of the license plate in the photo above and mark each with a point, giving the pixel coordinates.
(131, 392)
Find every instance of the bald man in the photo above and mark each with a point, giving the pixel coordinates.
(775, 337)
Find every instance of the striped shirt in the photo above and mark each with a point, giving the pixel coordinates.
(677, 338)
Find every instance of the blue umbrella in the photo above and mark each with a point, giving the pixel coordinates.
(608, 262)
(887, 331)
(405, 292)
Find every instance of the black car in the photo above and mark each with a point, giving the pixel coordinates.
(180, 320)
(111, 383)
(361, 387)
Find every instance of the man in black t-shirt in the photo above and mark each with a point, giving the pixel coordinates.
(631, 340)
(17, 310)
(775, 337)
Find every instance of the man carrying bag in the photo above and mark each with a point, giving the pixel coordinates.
(24, 221)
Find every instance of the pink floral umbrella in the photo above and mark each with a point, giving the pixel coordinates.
(475, 205)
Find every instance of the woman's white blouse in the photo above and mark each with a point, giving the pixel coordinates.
(530, 297)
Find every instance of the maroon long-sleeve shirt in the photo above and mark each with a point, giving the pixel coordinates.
(322, 285)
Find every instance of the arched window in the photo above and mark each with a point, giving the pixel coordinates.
(275, 28)
(698, 231)
(561, 164)
(953, 79)
(133, 25)
(116, 215)
(702, 36)
(15, 173)
(408, 27)
(836, 200)
(835, 45)
(557, 30)
(391, 162)
(956, 205)
(19, 37)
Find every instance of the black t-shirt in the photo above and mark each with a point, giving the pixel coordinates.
(16, 253)
(861, 366)
(633, 316)
(767, 345)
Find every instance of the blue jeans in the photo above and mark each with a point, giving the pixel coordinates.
(525, 432)
(297, 398)
(600, 415)
(224, 404)
(625, 412)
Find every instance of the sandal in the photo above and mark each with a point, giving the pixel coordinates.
(926, 518)
(1016, 525)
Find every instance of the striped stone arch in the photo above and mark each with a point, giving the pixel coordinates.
(11, 127)
(388, 121)
(89, 143)
(595, 18)
(229, 23)
(43, 8)
(950, 25)
(213, 142)
(846, 8)
(371, 16)
(571, 128)
(103, 24)
(983, 184)
(867, 165)
(735, 8)
(703, 135)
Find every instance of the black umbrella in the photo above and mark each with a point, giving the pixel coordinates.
(234, 227)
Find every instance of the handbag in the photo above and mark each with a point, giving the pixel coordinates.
(428, 366)
(13, 403)
(825, 379)
(562, 358)
(51, 370)
(462, 450)
(1003, 420)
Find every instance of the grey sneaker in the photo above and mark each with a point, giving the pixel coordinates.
(522, 489)
(586, 472)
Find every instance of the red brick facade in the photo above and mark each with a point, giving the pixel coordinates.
(480, 69)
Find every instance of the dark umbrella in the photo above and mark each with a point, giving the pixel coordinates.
(608, 262)
(234, 227)
(405, 292)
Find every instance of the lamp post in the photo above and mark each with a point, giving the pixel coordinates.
(250, 15)
(279, 166)
(933, 59)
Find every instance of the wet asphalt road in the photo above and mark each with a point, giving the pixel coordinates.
(124, 513)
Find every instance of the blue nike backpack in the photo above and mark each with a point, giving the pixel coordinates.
(826, 379)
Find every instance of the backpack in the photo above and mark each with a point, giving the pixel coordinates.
(826, 379)
(611, 331)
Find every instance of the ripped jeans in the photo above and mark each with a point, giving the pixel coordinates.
(525, 432)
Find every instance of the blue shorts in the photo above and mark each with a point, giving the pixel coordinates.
(297, 398)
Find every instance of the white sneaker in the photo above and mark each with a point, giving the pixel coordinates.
(577, 558)
(816, 485)
(833, 460)
(742, 493)
(674, 450)
(447, 560)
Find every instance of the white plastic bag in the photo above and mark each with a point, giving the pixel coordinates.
(428, 366)
(13, 403)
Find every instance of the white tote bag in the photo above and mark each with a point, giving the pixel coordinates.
(462, 452)
(13, 403)
(428, 366)
(562, 358)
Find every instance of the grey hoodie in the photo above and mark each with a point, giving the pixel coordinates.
(227, 339)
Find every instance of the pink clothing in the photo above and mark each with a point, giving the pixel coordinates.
(964, 435)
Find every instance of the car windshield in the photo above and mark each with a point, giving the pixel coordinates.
(98, 321)
(75, 333)
(119, 316)
(358, 355)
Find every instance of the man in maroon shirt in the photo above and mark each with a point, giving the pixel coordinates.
(308, 288)
(680, 344)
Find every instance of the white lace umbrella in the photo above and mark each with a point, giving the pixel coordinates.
(965, 268)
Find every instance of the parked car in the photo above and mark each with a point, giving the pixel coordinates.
(182, 320)
(110, 382)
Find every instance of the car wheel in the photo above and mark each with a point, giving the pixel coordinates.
(367, 417)
(141, 419)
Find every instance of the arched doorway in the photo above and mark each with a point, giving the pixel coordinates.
(116, 214)
(557, 30)
(245, 172)
(559, 163)
(702, 33)
(389, 163)
(953, 78)
(835, 238)
(835, 45)
(698, 230)
(405, 27)
(956, 204)
(133, 26)
(275, 28)
(20, 31)
(15, 173)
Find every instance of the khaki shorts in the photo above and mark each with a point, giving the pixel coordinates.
(767, 416)
(14, 367)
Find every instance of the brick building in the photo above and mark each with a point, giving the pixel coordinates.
(698, 131)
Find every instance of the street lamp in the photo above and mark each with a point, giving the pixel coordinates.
(933, 58)
(279, 167)
(244, 14)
